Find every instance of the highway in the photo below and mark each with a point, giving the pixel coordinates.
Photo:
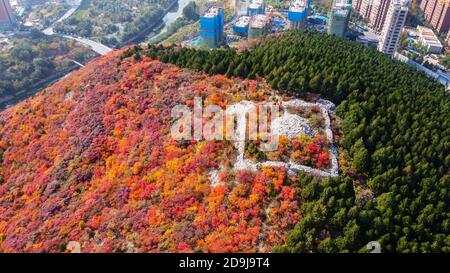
(95, 46)
(75, 4)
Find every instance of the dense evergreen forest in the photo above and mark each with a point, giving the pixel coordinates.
(396, 123)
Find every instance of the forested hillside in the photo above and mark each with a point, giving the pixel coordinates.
(91, 160)
(29, 60)
(396, 123)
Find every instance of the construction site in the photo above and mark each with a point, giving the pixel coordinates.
(248, 19)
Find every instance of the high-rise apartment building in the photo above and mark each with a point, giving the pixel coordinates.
(441, 17)
(393, 26)
(423, 4)
(428, 7)
(356, 5)
(374, 11)
(7, 19)
(298, 14)
(437, 12)
(211, 27)
(366, 8)
(378, 14)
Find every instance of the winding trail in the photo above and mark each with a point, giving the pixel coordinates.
(240, 109)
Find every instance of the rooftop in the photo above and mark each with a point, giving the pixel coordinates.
(211, 12)
(258, 21)
(298, 6)
(255, 5)
(340, 11)
(401, 3)
(258, 2)
(428, 36)
(342, 4)
(243, 21)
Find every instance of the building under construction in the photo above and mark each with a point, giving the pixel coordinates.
(298, 14)
(211, 27)
(259, 26)
(339, 17)
(241, 26)
(256, 7)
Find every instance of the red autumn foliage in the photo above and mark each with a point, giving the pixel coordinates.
(91, 160)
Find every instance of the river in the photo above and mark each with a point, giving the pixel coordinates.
(169, 18)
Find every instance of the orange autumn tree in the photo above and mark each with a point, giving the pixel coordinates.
(91, 160)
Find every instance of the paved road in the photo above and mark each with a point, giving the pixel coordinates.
(75, 4)
(49, 30)
(95, 46)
